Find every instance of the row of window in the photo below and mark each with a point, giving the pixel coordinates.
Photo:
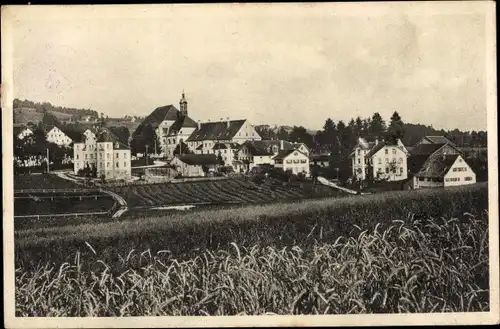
(296, 161)
(396, 171)
(452, 179)
(108, 156)
(460, 169)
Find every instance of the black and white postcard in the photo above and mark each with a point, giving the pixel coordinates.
(272, 164)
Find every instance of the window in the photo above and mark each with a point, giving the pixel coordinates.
(288, 161)
(386, 170)
(393, 151)
(91, 156)
(452, 179)
(468, 179)
(421, 179)
(77, 157)
(359, 152)
(401, 170)
(379, 161)
(124, 164)
(303, 161)
(124, 155)
(386, 151)
(295, 161)
(117, 165)
(85, 156)
(107, 164)
(117, 154)
(401, 161)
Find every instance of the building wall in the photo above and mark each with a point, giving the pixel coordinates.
(25, 133)
(188, 170)
(56, 136)
(246, 133)
(296, 162)
(381, 162)
(460, 173)
(303, 149)
(427, 182)
(171, 142)
(358, 163)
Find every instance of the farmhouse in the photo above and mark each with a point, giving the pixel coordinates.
(102, 150)
(427, 165)
(444, 171)
(195, 165)
(293, 160)
(57, 136)
(434, 140)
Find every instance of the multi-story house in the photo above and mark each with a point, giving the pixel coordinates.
(209, 136)
(388, 161)
(293, 160)
(358, 158)
(103, 151)
(57, 136)
(256, 153)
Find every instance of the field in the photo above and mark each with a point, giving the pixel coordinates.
(230, 191)
(42, 181)
(24, 115)
(401, 251)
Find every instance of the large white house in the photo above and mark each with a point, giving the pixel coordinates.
(293, 160)
(386, 161)
(57, 136)
(444, 171)
(103, 151)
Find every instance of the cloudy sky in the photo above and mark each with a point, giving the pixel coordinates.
(287, 64)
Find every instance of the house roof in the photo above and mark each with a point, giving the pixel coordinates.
(438, 139)
(200, 147)
(364, 144)
(106, 135)
(181, 122)
(284, 153)
(416, 162)
(168, 112)
(264, 147)
(216, 130)
(198, 159)
(438, 166)
(425, 149)
(375, 149)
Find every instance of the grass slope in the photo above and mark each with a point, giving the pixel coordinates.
(23, 115)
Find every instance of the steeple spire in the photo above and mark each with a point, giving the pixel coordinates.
(183, 104)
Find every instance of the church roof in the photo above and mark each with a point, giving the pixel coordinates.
(198, 159)
(181, 122)
(216, 130)
(168, 112)
(106, 135)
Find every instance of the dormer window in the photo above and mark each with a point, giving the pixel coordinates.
(117, 145)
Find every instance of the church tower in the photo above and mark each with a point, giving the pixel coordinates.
(184, 105)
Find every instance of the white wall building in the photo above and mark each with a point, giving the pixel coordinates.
(105, 152)
(293, 160)
(57, 136)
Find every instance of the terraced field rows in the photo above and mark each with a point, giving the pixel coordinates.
(226, 191)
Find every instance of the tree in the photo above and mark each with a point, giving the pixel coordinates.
(182, 148)
(219, 159)
(377, 126)
(144, 135)
(282, 134)
(122, 133)
(50, 119)
(396, 128)
(300, 135)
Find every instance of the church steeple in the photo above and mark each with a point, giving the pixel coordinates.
(184, 105)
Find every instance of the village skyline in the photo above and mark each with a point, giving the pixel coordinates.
(295, 69)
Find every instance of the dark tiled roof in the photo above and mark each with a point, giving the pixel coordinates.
(216, 130)
(106, 135)
(438, 139)
(198, 159)
(181, 122)
(438, 166)
(284, 153)
(264, 147)
(415, 162)
(320, 157)
(426, 149)
(168, 112)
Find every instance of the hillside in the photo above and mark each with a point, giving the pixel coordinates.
(23, 115)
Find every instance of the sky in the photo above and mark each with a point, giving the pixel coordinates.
(273, 64)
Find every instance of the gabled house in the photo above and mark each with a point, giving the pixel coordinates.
(302, 148)
(388, 161)
(425, 156)
(434, 140)
(293, 160)
(21, 131)
(57, 136)
(261, 152)
(208, 134)
(444, 171)
(195, 165)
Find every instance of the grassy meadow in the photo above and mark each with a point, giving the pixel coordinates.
(401, 251)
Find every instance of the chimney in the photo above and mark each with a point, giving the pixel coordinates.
(376, 141)
(281, 145)
(228, 122)
(198, 124)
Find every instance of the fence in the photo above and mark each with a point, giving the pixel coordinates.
(52, 190)
(68, 215)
